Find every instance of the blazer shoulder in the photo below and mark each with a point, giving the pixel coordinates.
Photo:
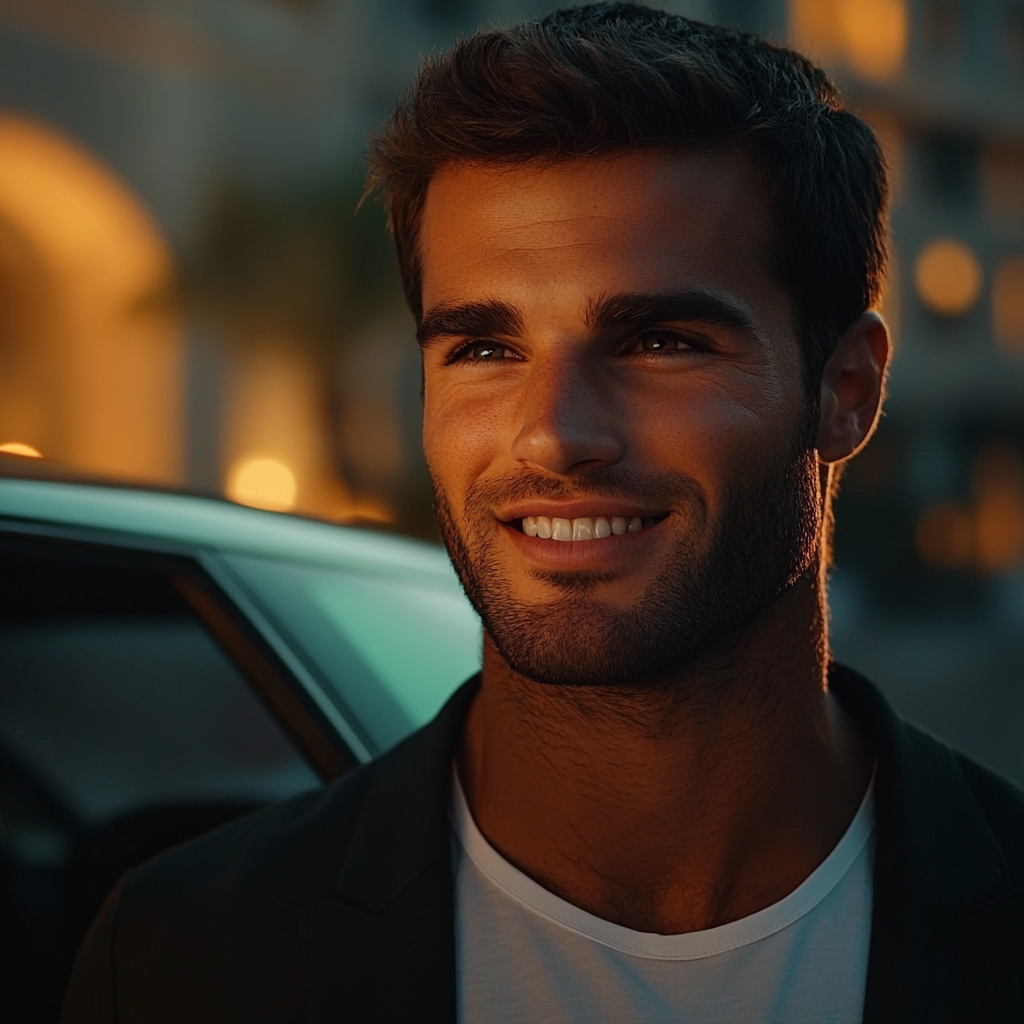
(1001, 802)
(309, 836)
(210, 930)
(927, 778)
(307, 833)
(218, 929)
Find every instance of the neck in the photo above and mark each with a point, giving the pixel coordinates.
(680, 805)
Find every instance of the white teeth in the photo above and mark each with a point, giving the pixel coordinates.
(561, 529)
(583, 528)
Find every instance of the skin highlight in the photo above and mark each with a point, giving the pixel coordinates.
(711, 786)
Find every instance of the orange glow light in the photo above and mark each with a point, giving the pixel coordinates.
(17, 448)
(262, 482)
(814, 27)
(874, 35)
(1003, 183)
(1008, 305)
(999, 514)
(948, 277)
(988, 536)
(999, 525)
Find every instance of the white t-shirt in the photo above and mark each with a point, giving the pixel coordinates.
(526, 956)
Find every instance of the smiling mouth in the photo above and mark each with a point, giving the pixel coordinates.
(585, 527)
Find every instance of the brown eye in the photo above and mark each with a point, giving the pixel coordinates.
(488, 350)
(660, 343)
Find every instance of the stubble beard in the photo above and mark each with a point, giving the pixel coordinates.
(766, 537)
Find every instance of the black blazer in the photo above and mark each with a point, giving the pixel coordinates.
(338, 905)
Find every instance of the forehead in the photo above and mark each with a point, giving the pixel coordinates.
(638, 222)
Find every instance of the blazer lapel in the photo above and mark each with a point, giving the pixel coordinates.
(935, 856)
(383, 950)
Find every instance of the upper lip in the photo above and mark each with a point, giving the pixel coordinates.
(577, 508)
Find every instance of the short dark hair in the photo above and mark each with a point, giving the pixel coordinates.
(611, 77)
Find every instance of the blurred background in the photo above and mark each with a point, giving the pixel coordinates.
(188, 296)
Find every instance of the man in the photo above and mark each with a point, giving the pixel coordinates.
(642, 254)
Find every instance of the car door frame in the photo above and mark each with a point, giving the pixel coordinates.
(304, 705)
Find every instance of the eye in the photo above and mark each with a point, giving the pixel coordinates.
(663, 341)
(489, 350)
(482, 352)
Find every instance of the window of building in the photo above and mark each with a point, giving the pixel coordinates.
(745, 14)
(944, 30)
(449, 10)
(1003, 184)
(949, 169)
(1012, 34)
(1008, 305)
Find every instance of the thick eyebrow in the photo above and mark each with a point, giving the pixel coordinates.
(708, 308)
(472, 319)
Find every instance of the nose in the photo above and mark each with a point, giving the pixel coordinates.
(567, 422)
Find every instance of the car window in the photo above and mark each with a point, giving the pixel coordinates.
(124, 729)
(124, 703)
(393, 648)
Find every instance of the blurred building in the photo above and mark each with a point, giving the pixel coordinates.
(943, 83)
(928, 591)
(186, 294)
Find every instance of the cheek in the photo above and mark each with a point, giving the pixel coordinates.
(718, 435)
(464, 432)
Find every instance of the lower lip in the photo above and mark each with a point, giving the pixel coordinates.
(581, 554)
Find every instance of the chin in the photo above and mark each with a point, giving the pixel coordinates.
(578, 642)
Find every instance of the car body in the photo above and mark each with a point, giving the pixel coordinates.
(169, 661)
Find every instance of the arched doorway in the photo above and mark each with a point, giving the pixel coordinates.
(90, 365)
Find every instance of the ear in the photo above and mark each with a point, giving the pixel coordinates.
(852, 388)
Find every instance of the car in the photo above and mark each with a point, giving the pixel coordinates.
(169, 661)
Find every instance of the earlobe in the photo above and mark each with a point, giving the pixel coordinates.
(852, 388)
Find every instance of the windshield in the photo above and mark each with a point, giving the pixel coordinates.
(392, 647)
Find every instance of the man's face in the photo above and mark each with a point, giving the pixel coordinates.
(615, 420)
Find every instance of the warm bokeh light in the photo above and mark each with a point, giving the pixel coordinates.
(999, 507)
(814, 27)
(999, 531)
(1002, 178)
(1008, 305)
(274, 406)
(948, 277)
(945, 536)
(874, 35)
(263, 482)
(869, 35)
(988, 536)
(17, 448)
